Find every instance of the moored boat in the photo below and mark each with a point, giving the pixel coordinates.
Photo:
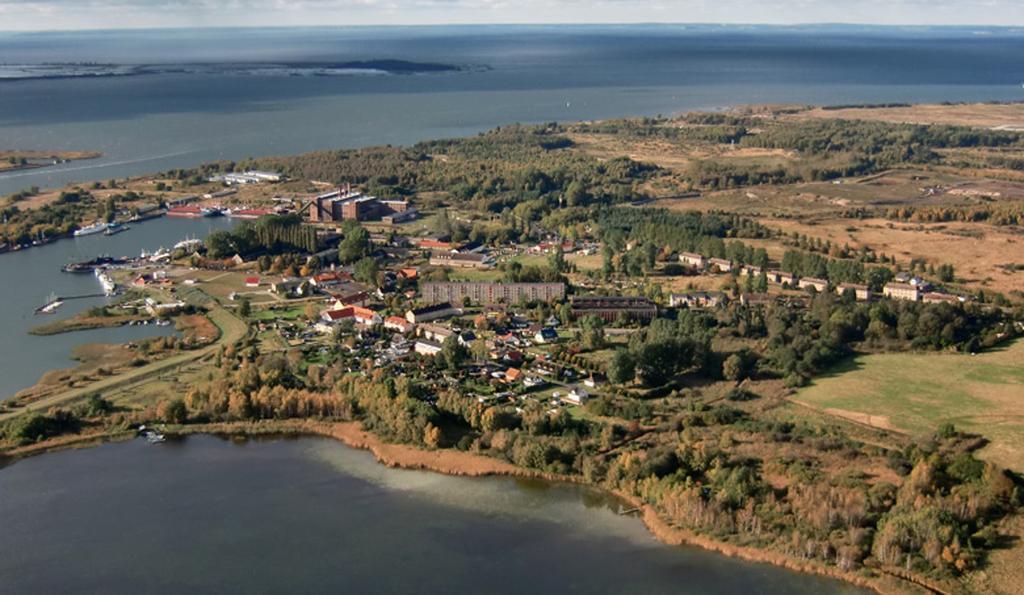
(98, 227)
(115, 228)
(109, 287)
(52, 303)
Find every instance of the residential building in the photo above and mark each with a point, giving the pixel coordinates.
(935, 297)
(461, 260)
(435, 244)
(546, 335)
(750, 270)
(427, 348)
(692, 259)
(366, 316)
(862, 293)
(329, 279)
(578, 396)
(756, 299)
(780, 277)
(902, 291)
(696, 299)
(490, 293)
(434, 332)
(820, 285)
(336, 315)
(720, 265)
(289, 287)
(432, 312)
(609, 308)
(399, 324)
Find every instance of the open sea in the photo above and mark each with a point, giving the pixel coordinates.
(208, 98)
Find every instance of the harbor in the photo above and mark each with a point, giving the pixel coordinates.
(48, 270)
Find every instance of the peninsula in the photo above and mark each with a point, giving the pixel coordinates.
(783, 333)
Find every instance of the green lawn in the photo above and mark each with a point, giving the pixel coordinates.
(285, 314)
(476, 275)
(915, 393)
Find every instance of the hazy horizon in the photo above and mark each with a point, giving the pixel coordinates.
(50, 15)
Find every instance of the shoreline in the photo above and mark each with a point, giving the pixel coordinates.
(467, 464)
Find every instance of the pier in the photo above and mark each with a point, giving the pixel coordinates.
(55, 302)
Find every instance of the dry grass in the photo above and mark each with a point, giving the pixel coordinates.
(915, 393)
(980, 115)
(976, 251)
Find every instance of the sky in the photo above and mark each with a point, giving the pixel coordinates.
(110, 14)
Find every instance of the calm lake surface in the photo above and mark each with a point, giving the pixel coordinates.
(517, 74)
(31, 275)
(313, 516)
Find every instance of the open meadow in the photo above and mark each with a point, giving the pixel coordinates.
(916, 393)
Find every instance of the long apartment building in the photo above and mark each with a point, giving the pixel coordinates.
(491, 293)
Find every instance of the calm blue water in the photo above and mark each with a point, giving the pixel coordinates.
(540, 73)
(31, 275)
(313, 516)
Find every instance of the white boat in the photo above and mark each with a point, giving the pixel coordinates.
(109, 287)
(160, 255)
(190, 244)
(98, 227)
(52, 303)
(115, 228)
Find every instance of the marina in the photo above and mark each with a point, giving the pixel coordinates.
(39, 272)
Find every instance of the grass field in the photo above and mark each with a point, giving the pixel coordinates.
(915, 393)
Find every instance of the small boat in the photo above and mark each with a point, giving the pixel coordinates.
(115, 228)
(52, 303)
(152, 436)
(97, 227)
(210, 212)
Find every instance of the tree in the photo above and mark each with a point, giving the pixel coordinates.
(366, 270)
(557, 260)
(622, 367)
(576, 195)
(172, 411)
(607, 261)
(453, 353)
(220, 244)
(355, 245)
(244, 308)
(592, 332)
(432, 435)
(735, 367)
(109, 209)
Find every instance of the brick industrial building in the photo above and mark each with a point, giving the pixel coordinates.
(346, 204)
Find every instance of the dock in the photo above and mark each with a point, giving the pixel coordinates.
(49, 306)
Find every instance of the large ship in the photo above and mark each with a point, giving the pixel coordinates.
(89, 230)
(89, 266)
